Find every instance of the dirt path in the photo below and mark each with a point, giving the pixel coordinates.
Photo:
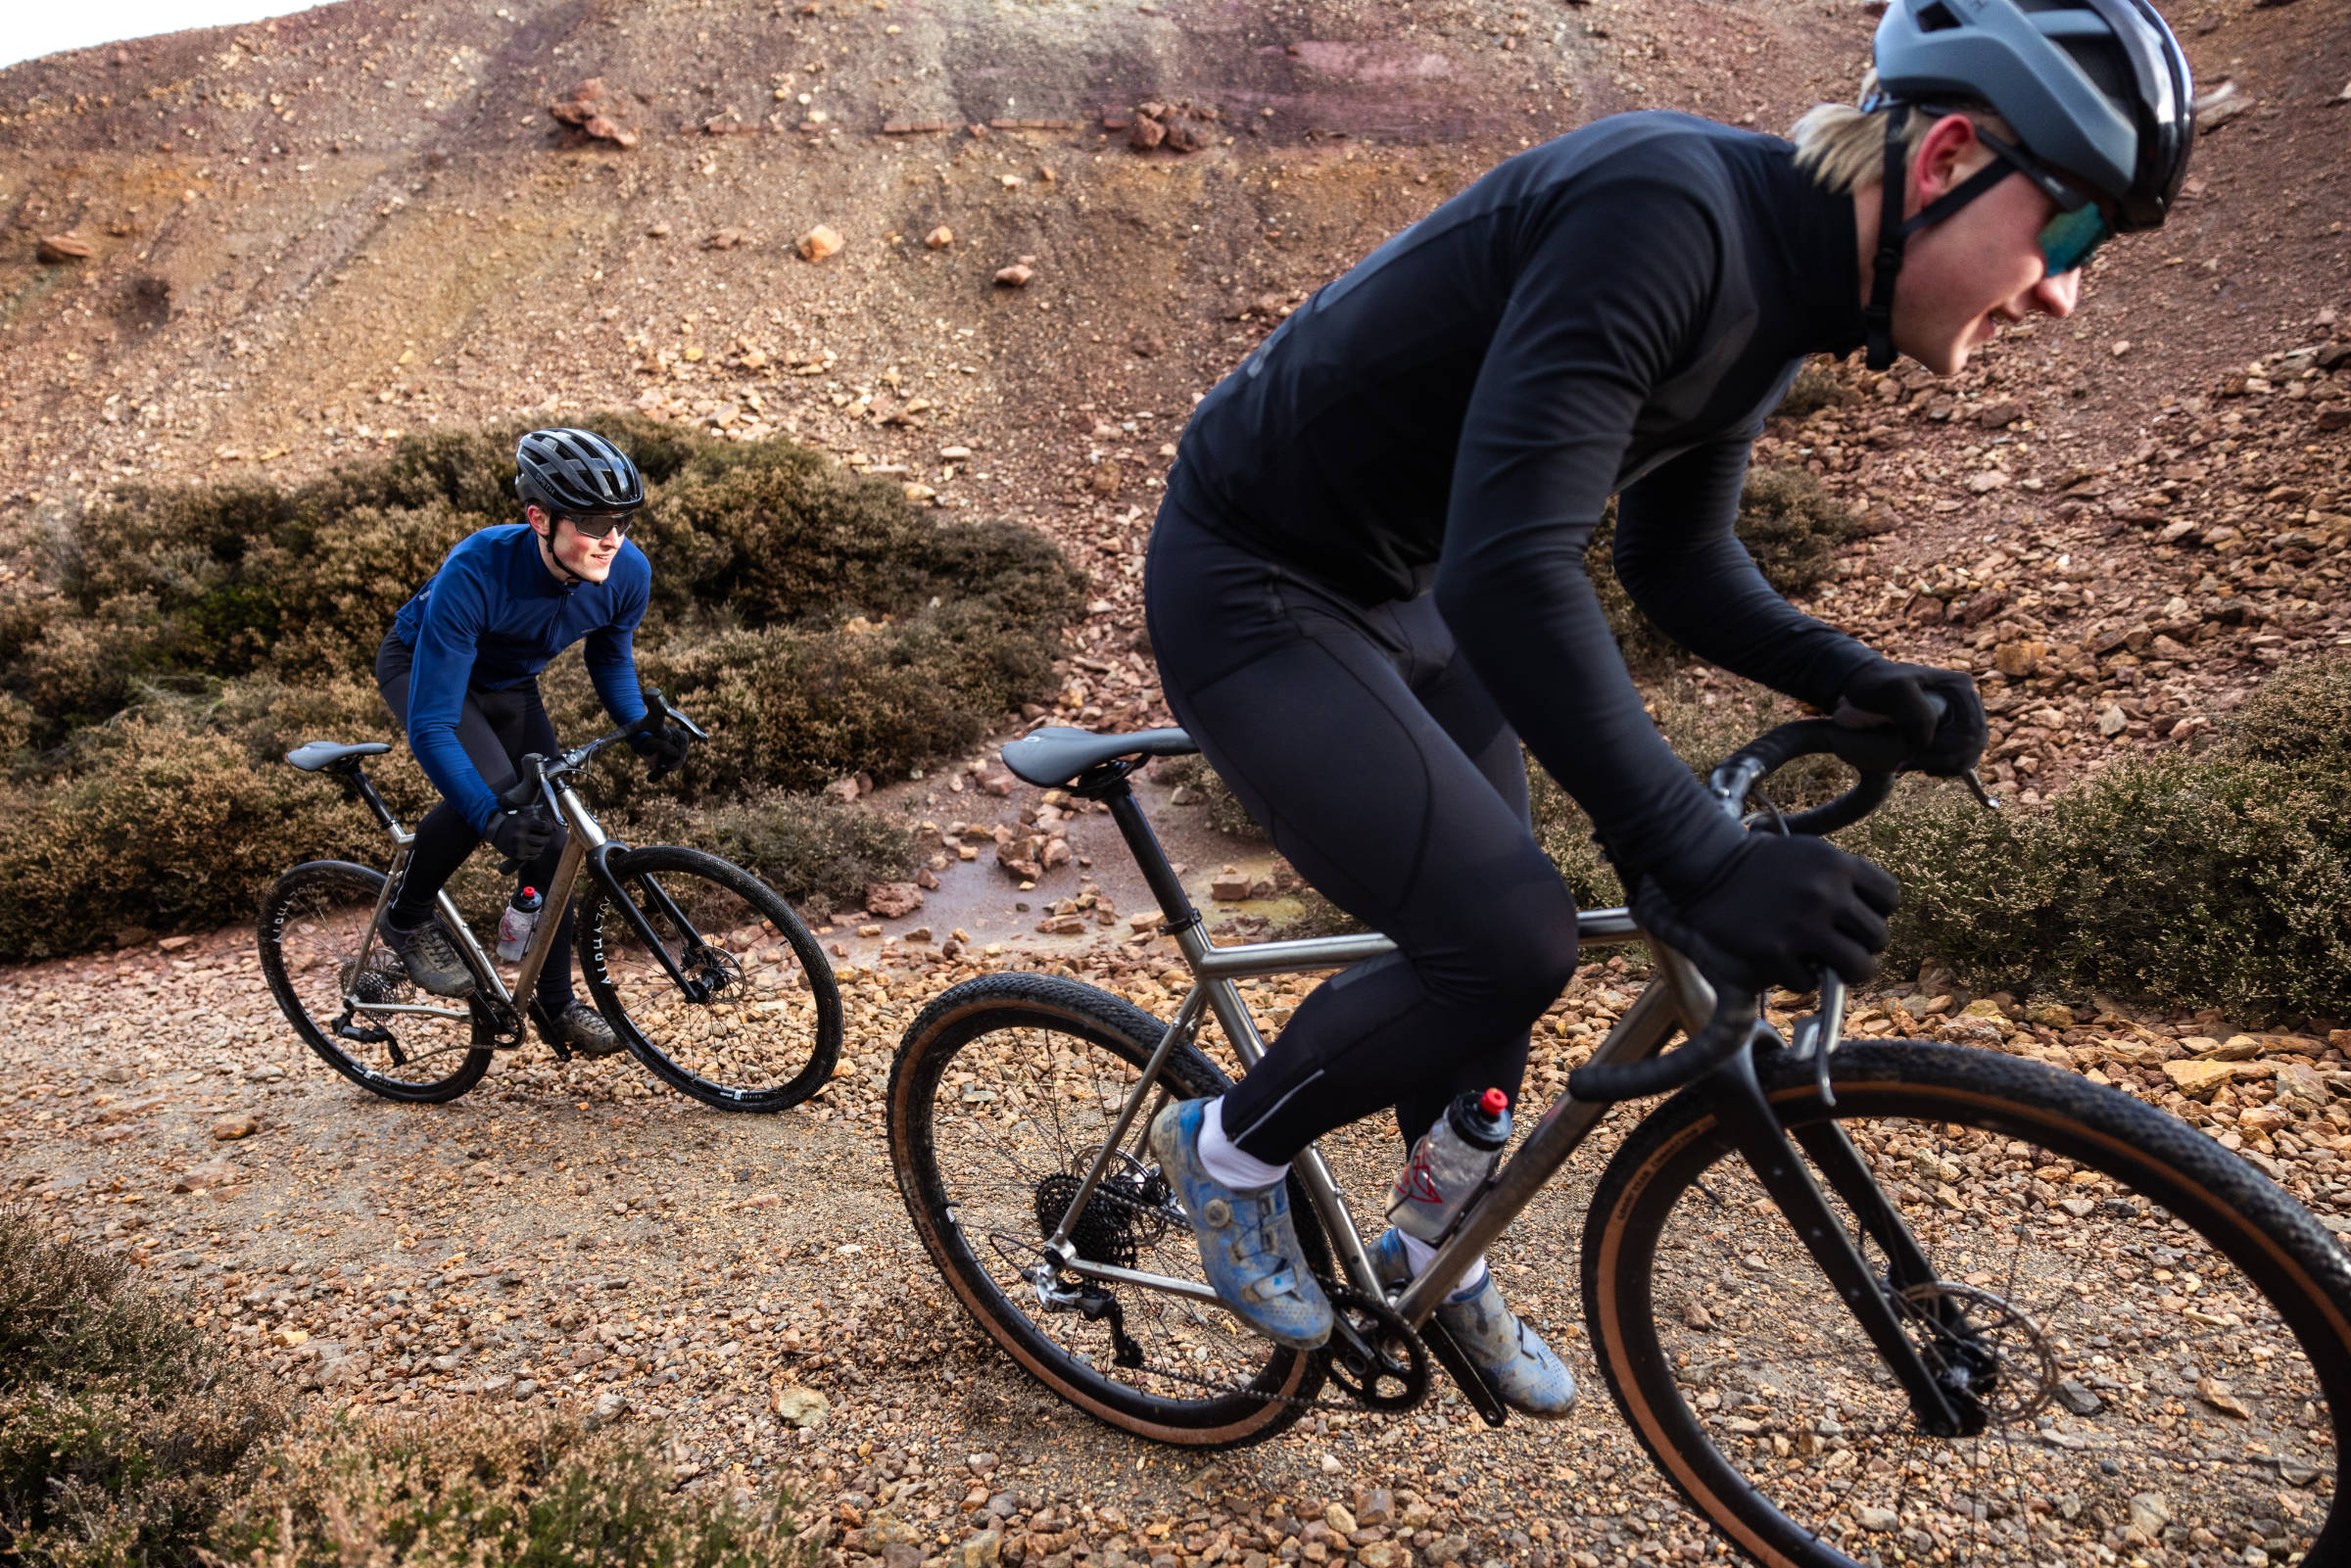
(578, 1236)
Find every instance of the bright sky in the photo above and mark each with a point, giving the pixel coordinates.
(34, 30)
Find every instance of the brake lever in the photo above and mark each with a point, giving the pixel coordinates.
(1974, 787)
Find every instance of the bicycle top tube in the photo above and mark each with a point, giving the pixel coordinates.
(1241, 959)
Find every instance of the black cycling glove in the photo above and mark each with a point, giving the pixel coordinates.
(1777, 911)
(521, 835)
(1943, 743)
(665, 746)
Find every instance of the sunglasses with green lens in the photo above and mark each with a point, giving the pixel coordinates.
(2069, 239)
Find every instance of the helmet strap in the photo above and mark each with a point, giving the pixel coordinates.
(548, 550)
(1895, 231)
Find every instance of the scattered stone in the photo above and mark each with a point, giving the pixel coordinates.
(1015, 276)
(177, 944)
(228, 1129)
(2112, 720)
(584, 111)
(56, 248)
(800, 1407)
(1877, 1521)
(892, 900)
(2076, 1398)
(940, 238)
(726, 239)
(2197, 1080)
(215, 1176)
(980, 1464)
(818, 243)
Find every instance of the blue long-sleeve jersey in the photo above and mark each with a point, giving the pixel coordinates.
(492, 616)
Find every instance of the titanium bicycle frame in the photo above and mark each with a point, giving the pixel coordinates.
(1681, 999)
(588, 844)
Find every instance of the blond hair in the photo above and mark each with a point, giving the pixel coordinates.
(1844, 147)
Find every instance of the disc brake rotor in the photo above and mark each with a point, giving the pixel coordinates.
(1984, 1348)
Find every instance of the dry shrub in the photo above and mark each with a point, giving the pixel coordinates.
(1816, 386)
(1226, 813)
(462, 1491)
(120, 1426)
(160, 824)
(2222, 879)
(129, 1437)
(819, 852)
(1789, 522)
(816, 622)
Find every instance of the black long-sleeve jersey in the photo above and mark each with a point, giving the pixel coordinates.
(1613, 312)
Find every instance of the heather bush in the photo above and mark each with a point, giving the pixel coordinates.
(815, 621)
(127, 1436)
(453, 1491)
(819, 852)
(121, 1427)
(2220, 880)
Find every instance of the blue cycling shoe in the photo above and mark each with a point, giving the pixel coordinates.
(1516, 1365)
(1248, 1247)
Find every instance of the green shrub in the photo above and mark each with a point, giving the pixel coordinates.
(2222, 879)
(121, 1425)
(458, 1492)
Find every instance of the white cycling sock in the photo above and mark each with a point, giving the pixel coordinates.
(1223, 1162)
(1421, 1254)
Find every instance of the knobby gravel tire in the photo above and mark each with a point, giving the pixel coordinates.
(356, 885)
(601, 925)
(967, 1012)
(2275, 1244)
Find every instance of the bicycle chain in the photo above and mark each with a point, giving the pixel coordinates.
(1335, 1291)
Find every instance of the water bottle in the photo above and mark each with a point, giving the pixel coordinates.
(516, 925)
(1450, 1163)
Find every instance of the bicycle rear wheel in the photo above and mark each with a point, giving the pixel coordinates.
(761, 1028)
(1004, 1091)
(313, 920)
(2159, 1336)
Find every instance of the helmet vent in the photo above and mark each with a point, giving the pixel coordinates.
(1936, 18)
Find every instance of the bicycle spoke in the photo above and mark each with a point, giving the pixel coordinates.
(2108, 1426)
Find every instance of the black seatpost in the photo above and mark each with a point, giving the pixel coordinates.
(1143, 845)
(357, 778)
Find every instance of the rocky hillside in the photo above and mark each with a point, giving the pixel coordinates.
(272, 248)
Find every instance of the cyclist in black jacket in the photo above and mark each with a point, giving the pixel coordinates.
(1365, 586)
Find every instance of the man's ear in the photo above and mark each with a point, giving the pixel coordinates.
(541, 524)
(1944, 158)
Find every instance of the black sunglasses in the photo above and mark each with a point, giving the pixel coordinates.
(600, 525)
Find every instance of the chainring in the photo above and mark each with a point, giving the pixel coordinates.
(1372, 1353)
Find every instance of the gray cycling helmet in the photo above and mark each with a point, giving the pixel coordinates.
(2097, 92)
(570, 471)
(2097, 89)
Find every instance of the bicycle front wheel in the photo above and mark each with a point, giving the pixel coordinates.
(2158, 1337)
(314, 919)
(735, 1005)
(1004, 1091)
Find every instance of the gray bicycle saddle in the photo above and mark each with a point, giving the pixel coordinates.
(312, 755)
(1057, 754)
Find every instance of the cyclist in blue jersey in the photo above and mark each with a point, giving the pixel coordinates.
(1365, 586)
(459, 669)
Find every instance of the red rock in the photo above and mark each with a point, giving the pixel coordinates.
(1015, 276)
(55, 248)
(892, 900)
(1145, 133)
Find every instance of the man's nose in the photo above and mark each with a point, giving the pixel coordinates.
(2056, 296)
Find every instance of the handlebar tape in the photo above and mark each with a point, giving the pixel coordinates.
(1715, 1043)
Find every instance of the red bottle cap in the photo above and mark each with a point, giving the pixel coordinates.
(533, 892)
(1494, 1102)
